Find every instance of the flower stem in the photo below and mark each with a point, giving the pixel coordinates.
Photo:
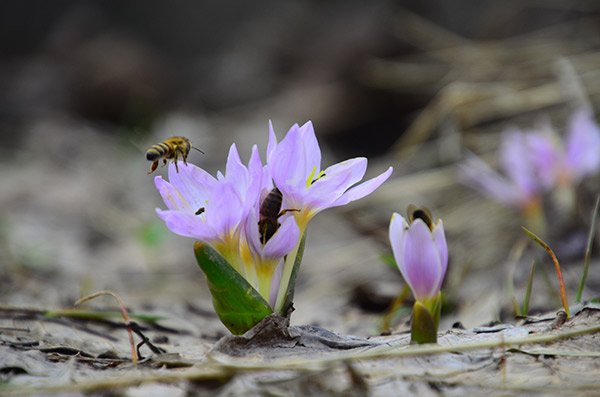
(534, 217)
(290, 271)
(285, 277)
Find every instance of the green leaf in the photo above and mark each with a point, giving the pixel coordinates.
(389, 260)
(289, 295)
(528, 290)
(423, 327)
(588, 250)
(238, 305)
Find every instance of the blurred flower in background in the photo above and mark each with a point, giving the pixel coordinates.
(536, 164)
(518, 185)
(570, 159)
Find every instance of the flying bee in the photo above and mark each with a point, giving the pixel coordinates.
(173, 148)
(269, 213)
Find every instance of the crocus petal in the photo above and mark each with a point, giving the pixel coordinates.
(235, 172)
(171, 196)
(295, 163)
(295, 157)
(398, 234)
(275, 282)
(256, 171)
(422, 265)
(356, 167)
(288, 162)
(187, 225)
(583, 144)
(439, 238)
(475, 172)
(253, 236)
(363, 189)
(272, 145)
(326, 190)
(311, 147)
(193, 183)
(516, 162)
(546, 152)
(283, 241)
(225, 209)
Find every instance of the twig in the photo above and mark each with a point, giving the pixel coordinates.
(134, 355)
(145, 341)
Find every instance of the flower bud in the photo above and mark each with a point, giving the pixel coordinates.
(420, 251)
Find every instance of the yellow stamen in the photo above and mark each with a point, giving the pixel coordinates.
(310, 177)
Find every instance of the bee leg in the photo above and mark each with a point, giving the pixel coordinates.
(176, 167)
(154, 166)
(164, 163)
(182, 155)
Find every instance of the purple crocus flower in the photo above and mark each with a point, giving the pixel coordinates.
(210, 209)
(520, 187)
(569, 160)
(421, 252)
(224, 211)
(583, 144)
(535, 162)
(295, 165)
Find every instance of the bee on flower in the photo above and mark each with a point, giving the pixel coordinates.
(250, 222)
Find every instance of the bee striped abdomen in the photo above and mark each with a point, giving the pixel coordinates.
(271, 204)
(157, 151)
(269, 213)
